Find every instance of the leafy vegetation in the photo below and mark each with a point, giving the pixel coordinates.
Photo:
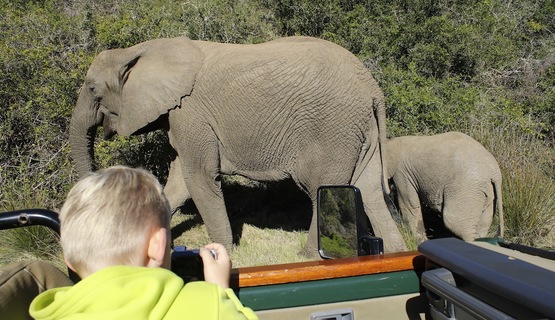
(338, 223)
(483, 67)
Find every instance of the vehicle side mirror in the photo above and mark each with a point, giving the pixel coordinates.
(343, 227)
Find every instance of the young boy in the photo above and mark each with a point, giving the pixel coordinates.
(115, 234)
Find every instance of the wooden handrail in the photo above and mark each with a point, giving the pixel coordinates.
(325, 269)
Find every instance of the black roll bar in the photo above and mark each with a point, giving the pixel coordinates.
(30, 217)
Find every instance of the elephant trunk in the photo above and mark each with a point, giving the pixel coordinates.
(82, 133)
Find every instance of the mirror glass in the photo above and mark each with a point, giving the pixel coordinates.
(337, 221)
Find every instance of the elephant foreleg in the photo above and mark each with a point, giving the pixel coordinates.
(175, 189)
(208, 197)
(212, 209)
(200, 167)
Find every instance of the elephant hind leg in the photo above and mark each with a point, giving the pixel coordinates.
(377, 210)
(486, 219)
(466, 217)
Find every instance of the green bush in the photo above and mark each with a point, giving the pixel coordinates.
(228, 21)
(40, 70)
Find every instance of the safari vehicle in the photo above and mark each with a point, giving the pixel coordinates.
(445, 279)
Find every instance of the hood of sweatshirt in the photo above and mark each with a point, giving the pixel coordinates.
(117, 292)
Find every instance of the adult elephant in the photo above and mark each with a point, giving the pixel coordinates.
(297, 107)
(451, 174)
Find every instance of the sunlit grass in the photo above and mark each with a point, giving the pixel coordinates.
(30, 243)
(257, 246)
(269, 246)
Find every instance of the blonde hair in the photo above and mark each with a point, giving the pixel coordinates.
(108, 216)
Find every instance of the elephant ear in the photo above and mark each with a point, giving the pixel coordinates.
(154, 76)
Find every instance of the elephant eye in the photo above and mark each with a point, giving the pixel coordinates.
(94, 94)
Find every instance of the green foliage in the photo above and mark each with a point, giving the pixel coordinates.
(130, 22)
(40, 69)
(338, 210)
(338, 222)
(541, 103)
(310, 18)
(420, 105)
(337, 247)
(151, 151)
(228, 21)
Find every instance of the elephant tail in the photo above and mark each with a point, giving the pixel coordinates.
(499, 205)
(379, 113)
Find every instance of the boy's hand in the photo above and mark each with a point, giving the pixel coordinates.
(216, 270)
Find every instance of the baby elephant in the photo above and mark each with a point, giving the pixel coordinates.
(451, 174)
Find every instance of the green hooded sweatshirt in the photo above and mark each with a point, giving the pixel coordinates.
(123, 292)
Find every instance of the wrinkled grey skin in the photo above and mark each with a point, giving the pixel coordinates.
(298, 107)
(450, 173)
